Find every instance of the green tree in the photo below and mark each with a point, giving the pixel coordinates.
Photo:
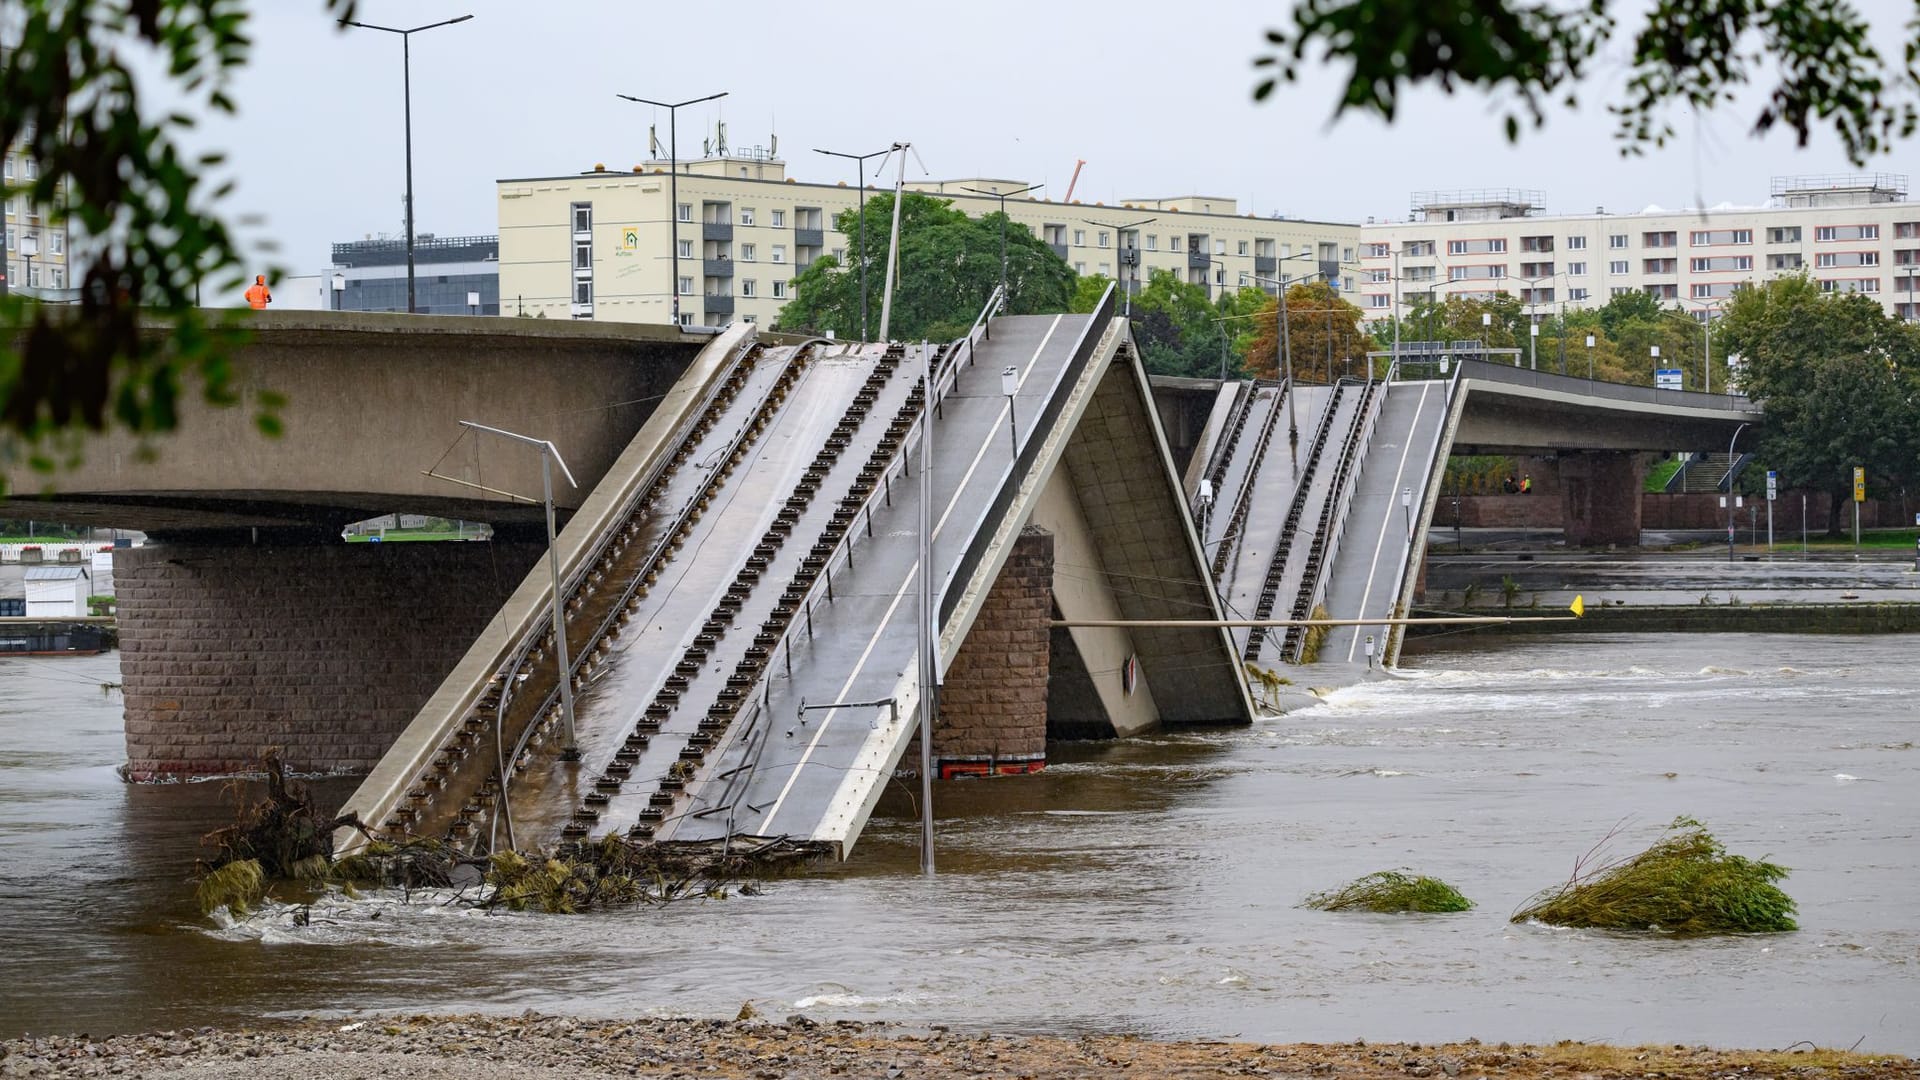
(1176, 330)
(152, 235)
(949, 266)
(1688, 56)
(1839, 379)
(1323, 335)
(1087, 291)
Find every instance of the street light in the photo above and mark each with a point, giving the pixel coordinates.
(339, 292)
(1003, 196)
(1283, 338)
(1010, 385)
(1730, 463)
(1119, 237)
(673, 181)
(29, 247)
(406, 82)
(570, 748)
(1589, 357)
(1706, 330)
(860, 161)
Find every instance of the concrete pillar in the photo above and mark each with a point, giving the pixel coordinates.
(1601, 490)
(324, 651)
(993, 708)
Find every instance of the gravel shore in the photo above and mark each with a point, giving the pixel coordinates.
(550, 1048)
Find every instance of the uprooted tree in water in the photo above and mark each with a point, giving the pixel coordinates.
(1686, 883)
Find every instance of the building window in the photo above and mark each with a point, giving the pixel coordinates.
(1106, 269)
(1576, 243)
(1080, 268)
(747, 287)
(583, 254)
(684, 212)
(686, 286)
(1576, 269)
(840, 255)
(1617, 266)
(1847, 232)
(686, 249)
(1378, 251)
(1378, 300)
(1219, 247)
(1102, 238)
(1617, 241)
(1079, 238)
(1619, 290)
(1788, 234)
(779, 290)
(1576, 294)
(1377, 277)
(779, 253)
(1153, 243)
(779, 219)
(583, 292)
(1219, 275)
(56, 242)
(1659, 239)
(1346, 254)
(746, 215)
(582, 217)
(56, 278)
(1173, 243)
(33, 169)
(748, 252)
(1243, 247)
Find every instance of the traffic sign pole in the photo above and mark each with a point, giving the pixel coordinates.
(1773, 492)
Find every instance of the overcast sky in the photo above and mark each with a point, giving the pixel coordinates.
(1156, 98)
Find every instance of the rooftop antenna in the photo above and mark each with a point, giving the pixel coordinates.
(653, 140)
(720, 137)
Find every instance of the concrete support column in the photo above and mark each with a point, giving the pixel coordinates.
(325, 651)
(993, 708)
(1600, 490)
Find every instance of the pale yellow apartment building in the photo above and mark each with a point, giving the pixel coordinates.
(599, 244)
(1849, 233)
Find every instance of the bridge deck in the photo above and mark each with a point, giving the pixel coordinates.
(817, 776)
(1376, 537)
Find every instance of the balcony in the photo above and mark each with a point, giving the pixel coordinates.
(717, 303)
(714, 231)
(1058, 249)
(808, 238)
(1265, 264)
(1198, 260)
(718, 268)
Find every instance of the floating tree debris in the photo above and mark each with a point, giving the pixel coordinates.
(1684, 884)
(1391, 892)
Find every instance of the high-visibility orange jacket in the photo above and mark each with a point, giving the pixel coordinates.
(259, 296)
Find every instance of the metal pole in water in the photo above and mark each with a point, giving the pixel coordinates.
(925, 615)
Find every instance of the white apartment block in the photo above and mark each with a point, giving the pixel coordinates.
(601, 244)
(1849, 233)
(35, 255)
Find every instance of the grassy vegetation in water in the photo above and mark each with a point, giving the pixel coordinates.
(1315, 636)
(1390, 892)
(1684, 884)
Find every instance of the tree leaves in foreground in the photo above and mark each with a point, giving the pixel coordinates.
(949, 266)
(1689, 55)
(138, 202)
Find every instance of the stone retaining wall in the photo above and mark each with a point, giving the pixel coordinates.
(326, 652)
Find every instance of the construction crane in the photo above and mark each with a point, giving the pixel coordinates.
(1077, 166)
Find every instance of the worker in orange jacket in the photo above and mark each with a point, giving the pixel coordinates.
(259, 296)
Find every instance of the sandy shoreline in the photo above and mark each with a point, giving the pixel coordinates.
(550, 1048)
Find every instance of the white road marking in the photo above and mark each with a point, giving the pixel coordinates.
(1386, 519)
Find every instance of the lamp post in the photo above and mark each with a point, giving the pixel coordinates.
(1486, 331)
(1284, 339)
(673, 182)
(570, 749)
(1119, 240)
(406, 83)
(339, 292)
(1589, 357)
(1706, 349)
(1730, 461)
(1003, 196)
(29, 247)
(860, 163)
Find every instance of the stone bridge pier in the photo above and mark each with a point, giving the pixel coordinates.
(323, 649)
(1600, 490)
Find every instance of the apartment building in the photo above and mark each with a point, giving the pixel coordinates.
(36, 249)
(1849, 233)
(601, 244)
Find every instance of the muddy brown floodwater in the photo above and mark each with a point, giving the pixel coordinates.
(1147, 888)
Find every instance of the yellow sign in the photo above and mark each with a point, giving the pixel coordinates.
(1859, 484)
(630, 239)
(1578, 607)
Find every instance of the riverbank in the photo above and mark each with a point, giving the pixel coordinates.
(531, 1047)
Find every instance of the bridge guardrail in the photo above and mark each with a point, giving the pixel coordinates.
(1546, 380)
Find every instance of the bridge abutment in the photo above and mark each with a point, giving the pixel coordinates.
(325, 651)
(1600, 490)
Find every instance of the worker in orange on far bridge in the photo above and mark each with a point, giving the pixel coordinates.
(259, 296)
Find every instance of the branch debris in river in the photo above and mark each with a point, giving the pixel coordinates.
(1392, 892)
(1684, 884)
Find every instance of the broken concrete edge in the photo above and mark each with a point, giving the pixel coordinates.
(530, 602)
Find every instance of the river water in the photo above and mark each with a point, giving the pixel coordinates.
(1150, 886)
